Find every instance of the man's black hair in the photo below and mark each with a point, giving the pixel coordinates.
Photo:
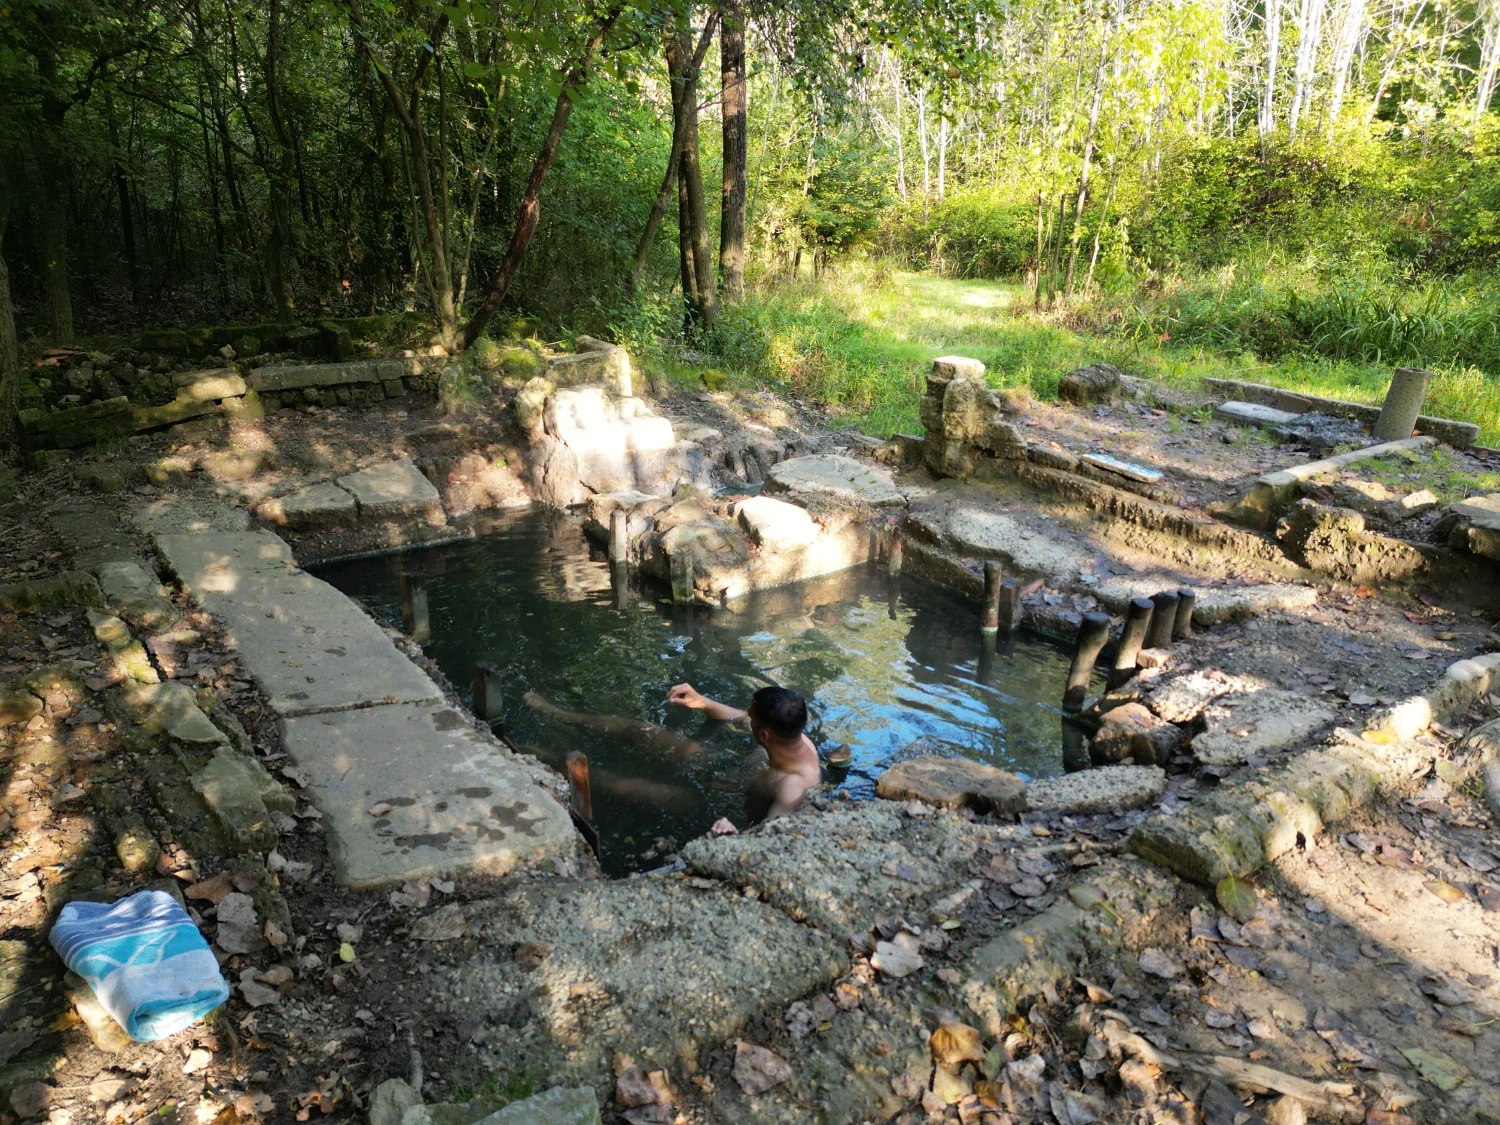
(780, 711)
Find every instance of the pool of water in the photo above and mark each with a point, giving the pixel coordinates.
(881, 664)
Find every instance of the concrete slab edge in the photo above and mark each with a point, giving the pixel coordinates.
(1460, 435)
(1245, 826)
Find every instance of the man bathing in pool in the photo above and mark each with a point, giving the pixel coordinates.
(776, 718)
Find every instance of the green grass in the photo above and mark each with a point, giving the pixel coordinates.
(861, 339)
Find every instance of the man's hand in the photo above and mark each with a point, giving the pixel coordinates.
(686, 695)
(723, 827)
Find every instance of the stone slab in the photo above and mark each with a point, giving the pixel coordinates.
(842, 869)
(1272, 492)
(1243, 726)
(321, 505)
(776, 525)
(308, 646)
(1460, 435)
(837, 477)
(561, 1105)
(1253, 414)
(952, 783)
(1105, 789)
(1182, 698)
(394, 490)
(653, 967)
(135, 594)
(457, 802)
(1215, 605)
(977, 532)
(606, 365)
(331, 374)
(188, 515)
(207, 386)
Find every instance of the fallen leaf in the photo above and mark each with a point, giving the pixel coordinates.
(444, 924)
(898, 957)
(1365, 591)
(1240, 730)
(212, 890)
(1445, 891)
(346, 952)
(1435, 1067)
(1238, 898)
(380, 808)
(1379, 737)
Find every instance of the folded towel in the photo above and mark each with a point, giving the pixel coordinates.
(144, 959)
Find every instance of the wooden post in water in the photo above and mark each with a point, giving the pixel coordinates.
(414, 618)
(1132, 637)
(577, 763)
(619, 536)
(893, 560)
(487, 696)
(990, 621)
(682, 577)
(1093, 633)
(1182, 624)
(1010, 604)
(1163, 617)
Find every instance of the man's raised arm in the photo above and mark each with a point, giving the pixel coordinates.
(687, 696)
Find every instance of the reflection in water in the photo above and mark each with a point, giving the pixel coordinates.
(880, 663)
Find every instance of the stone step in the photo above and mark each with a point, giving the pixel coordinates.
(447, 798)
(308, 646)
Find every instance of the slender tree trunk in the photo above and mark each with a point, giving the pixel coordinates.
(1489, 60)
(531, 207)
(278, 246)
(1109, 198)
(942, 160)
(1309, 37)
(926, 156)
(733, 83)
(896, 86)
(1351, 30)
(1088, 159)
(1273, 52)
(703, 301)
(1041, 248)
(55, 167)
(1395, 50)
(409, 114)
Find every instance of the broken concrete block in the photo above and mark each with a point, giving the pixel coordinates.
(1131, 731)
(776, 525)
(230, 786)
(1098, 382)
(1254, 414)
(1105, 789)
(321, 505)
(952, 783)
(394, 490)
(129, 654)
(1246, 725)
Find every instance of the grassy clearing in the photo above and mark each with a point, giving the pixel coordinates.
(861, 340)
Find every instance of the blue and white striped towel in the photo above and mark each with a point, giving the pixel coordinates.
(145, 960)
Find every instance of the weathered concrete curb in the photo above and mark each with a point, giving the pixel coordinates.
(1244, 826)
(1460, 435)
(1272, 492)
(1464, 683)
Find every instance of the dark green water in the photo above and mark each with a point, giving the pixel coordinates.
(879, 666)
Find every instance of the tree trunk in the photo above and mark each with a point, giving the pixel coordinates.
(409, 114)
(736, 94)
(531, 207)
(1309, 34)
(669, 182)
(702, 301)
(278, 246)
(1489, 60)
(1041, 247)
(55, 165)
(1351, 30)
(1088, 159)
(1273, 50)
